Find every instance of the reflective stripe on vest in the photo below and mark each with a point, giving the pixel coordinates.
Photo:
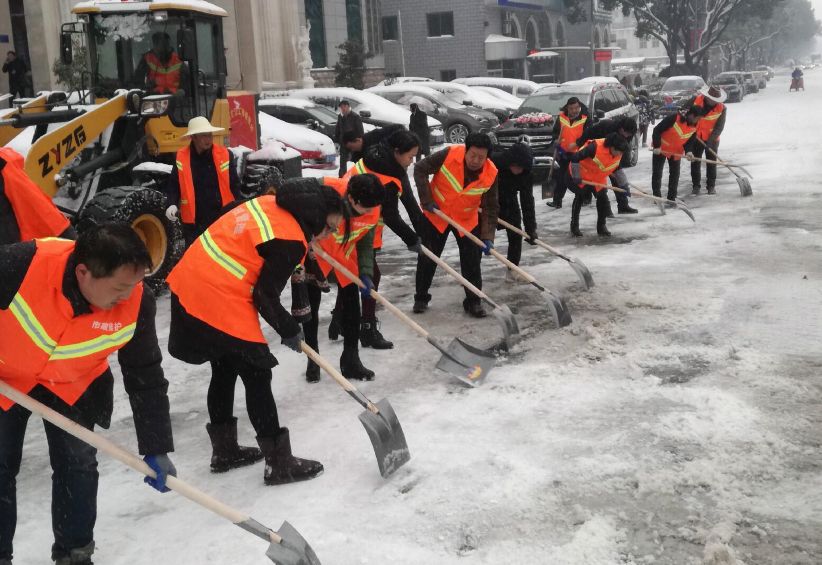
(706, 124)
(599, 167)
(569, 133)
(675, 137)
(360, 168)
(215, 278)
(165, 76)
(188, 203)
(45, 343)
(459, 202)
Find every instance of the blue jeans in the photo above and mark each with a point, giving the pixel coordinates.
(73, 481)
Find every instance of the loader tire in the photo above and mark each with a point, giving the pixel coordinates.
(144, 210)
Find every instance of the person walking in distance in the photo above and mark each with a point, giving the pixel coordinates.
(16, 69)
(66, 306)
(347, 121)
(419, 126)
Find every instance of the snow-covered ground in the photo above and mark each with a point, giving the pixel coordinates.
(675, 421)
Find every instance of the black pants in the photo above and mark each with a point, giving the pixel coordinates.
(259, 400)
(369, 305)
(643, 131)
(348, 302)
(470, 257)
(658, 165)
(514, 217)
(344, 154)
(603, 207)
(73, 481)
(561, 179)
(696, 166)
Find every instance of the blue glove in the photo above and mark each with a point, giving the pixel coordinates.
(163, 466)
(368, 284)
(430, 207)
(294, 342)
(489, 245)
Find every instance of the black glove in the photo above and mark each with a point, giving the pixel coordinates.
(532, 238)
(163, 467)
(416, 247)
(430, 207)
(294, 342)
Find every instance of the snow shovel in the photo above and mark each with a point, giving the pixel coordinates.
(287, 546)
(660, 201)
(469, 364)
(503, 314)
(562, 317)
(549, 180)
(580, 269)
(744, 184)
(379, 420)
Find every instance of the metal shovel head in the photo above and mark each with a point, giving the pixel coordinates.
(661, 207)
(387, 437)
(744, 186)
(562, 316)
(293, 549)
(469, 364)
(583, 273)
(510, 328)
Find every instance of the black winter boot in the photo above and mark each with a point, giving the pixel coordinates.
(226, 454)
(695, 189)
(711, 190)
(576, 208)
(77, 556)
(474, 308)
(352, 368)
(602, 214)
(626, 209)
(335, 327)
(420, 306)
(554, 203)
(370, 335)
(281, 467)
(312, 372)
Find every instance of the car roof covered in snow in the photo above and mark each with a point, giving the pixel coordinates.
(113, 6)
(291, 102)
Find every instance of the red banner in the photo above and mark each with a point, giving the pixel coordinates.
(242, 109)
(603, 54)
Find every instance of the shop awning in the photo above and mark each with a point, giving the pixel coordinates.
(543, 55)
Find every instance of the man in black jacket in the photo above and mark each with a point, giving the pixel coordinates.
(347, 121)
(419, 125)
(627, 128)
(16, 69)
(357, 144)
(103, 271)
(514, 179)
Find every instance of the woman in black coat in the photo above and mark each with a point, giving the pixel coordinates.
(419, 126)
(516, 195)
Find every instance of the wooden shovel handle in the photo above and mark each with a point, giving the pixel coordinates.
(337, 376)
(497, 255)
(453, 272)
(113, 450)
(377, 296)
(522, 232)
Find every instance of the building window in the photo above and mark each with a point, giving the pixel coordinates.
(448, 75)
(440, 23)
(316, 43)
(506, 68)
(390, 28)
(643, 43)
(353, 18)
(372, 25)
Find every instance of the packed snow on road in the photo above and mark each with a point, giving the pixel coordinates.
(675, 421)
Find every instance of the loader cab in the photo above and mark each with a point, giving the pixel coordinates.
(176, 50)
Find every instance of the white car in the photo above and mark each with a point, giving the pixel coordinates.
(400, 80)
(518, 87)
(373, 109)
(461, 94)
(317, 150)
(502, 95)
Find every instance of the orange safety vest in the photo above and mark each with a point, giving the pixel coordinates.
(165, 76)
(675, 137)
(568, 132)
(345, 251)
(706, 124)
(600, 166)
(215, 278)
(35, 213)
(459, 202)
(359, 168)
(187, 202)
(45, 343)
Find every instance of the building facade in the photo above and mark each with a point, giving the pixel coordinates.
(518, 39)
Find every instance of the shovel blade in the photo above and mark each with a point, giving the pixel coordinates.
(510, 328)
(583, 273)
(559, 310)
(744, 186)
(387, 437)
(469, 364)
(293, 549)
(661, 207)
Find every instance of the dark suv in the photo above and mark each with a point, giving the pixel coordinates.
(604, 97)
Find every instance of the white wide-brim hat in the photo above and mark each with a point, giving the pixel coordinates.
(714, 93)
(200, 125)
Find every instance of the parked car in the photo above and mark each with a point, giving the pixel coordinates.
(501, 95)
(373, 109)
(751, 83)
(761, 78)
(316, 149)
(301, 112)
(531, 123)
(465, 95)
(457, 120)
(733, 84)
(400, 80)
(520, 88)
(675, 91)
(767, 69)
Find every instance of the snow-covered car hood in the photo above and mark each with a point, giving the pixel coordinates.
(300, 138)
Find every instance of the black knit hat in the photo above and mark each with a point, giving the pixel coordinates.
(366, 190)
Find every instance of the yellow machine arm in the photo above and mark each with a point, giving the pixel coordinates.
(54, 151)
(8, 132)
